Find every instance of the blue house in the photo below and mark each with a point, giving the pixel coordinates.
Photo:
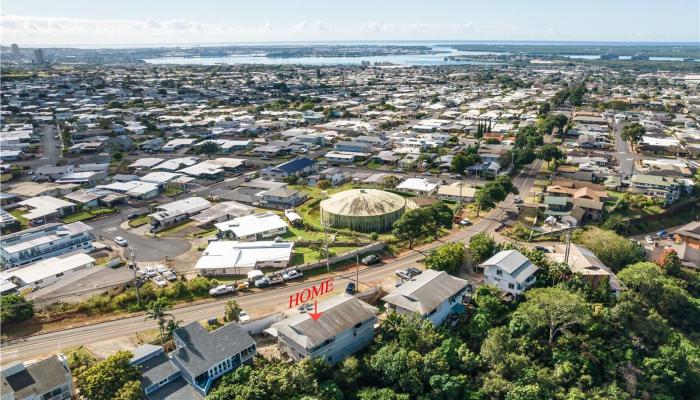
(298, 167)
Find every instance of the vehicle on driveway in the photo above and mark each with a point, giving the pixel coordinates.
(121, 241)
(371, 259)
(162, 269)
(649, 240)
(305, 308)
(169, 275)
(292, 274)
(403, 274)
(151, 272)
(221, 290)
(160, 281)
(413, 271)
(350, 288)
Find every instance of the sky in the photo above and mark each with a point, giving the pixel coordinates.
(143, 22)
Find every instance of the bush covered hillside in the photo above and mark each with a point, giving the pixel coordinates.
(561, 341)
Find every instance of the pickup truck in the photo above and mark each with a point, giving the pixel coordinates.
(292, 274)
(221, 290)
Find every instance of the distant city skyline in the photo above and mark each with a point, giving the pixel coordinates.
(90, 23)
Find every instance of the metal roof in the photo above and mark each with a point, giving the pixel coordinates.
(426, 292)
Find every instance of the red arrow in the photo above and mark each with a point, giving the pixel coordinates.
(315, 315)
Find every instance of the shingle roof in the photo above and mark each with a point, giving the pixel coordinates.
(295, 165)
(512, 262)
(427, 291)
(205, 349)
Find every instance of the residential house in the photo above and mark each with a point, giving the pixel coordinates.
(458, 191)
(282, 198)
(177, 211)
(433, 295)
(46, 272)
(47, 379)
(667, 189)
(224, 257)
(417, 186)
(298, 167)
(510, 271)
(582, 261)
(689, 234)
(253, 227)
(345, 326)
(43, 209)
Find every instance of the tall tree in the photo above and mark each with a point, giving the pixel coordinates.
(157, 310)
(633, 133)
(232, 311)
(448, 258)
(481, 247)
(208, 148)
(15, 308)
(112, 378)
(550, 152)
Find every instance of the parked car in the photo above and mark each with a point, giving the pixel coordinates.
(456, 176)
(170, 275)
(542, 249)
(265, 158)
(151, 272)
(160, 281)
(465, 222)
(305, 308)
(350, 288)
(427, 173)
(292, 274)
(121, 241)
(221, 290)
(398, 170)
(403, 274)
(136, 214)
(243, 316)
(413, 271)
(371, 259)
(162, 269)
(517, 200)
(262, 282)
(649, 240)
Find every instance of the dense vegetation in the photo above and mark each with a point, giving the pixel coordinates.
(562, 340)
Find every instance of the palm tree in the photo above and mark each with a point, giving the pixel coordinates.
(157, 310)
(171, 326)
(232, 311)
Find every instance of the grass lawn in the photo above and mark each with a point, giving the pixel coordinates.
(666, 222)
(19, 215)
(84, 215)
(136, 222)
(5, 178)
(176, 229)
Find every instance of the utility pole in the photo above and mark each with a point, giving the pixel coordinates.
(132, 253)
(357, 272)
(325, 235)
(568, 246)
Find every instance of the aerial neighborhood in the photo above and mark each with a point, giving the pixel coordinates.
(375, 231)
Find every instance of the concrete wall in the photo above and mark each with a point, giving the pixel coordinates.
(374, 247)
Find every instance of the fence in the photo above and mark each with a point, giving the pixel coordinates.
(376, 246)
(256, 326)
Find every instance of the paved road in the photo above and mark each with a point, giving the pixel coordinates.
(37, 345)
(624, 154)
(147, 249)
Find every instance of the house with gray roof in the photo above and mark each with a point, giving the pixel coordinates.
(510, 271)
(203, 356)
(432, 295)
(49, 378)
(345, 326)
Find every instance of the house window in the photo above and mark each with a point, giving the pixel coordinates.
(499, 272)
(511, 286)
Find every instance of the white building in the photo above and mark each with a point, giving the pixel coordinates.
(456, 192)
(46, 272)
(43, 242)
(510, 271)
(236, 258)
(417, 186)
(432, 295)
(253, 227)
(177, 211)
(43, 209)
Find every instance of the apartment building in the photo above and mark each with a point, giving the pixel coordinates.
(43, 242)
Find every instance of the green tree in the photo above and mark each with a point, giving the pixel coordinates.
(390, 182)
(481, 247)
(372, 393)
(549, 153)
(448, 258)
(157, 310)
(613, 250)
(413, 225)
(208, 148)
(633, 132)
(399, 367)
(323, 184)
(109, 378)
(15, 308)
(130, 391)
(441, 214)
(554, 309)
(232, 311)
(117, 156)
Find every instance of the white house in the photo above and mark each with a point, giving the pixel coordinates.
(253, 227)
(417, 186)
(510, 271)
(46, 272)
(235, 258)
(432, 295)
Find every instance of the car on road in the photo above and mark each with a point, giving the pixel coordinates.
(221, 290)
(292, 274)
(403, 274)
(121, 241)
(371, 259)
(170, 275)
(350, 288)
(649, 240)
(160, 281)
(151, 272)
(247, 179)
(262, 282)
(456, 176)
(465, 222)
(243, 316)
(427, 173)
(414, 271)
